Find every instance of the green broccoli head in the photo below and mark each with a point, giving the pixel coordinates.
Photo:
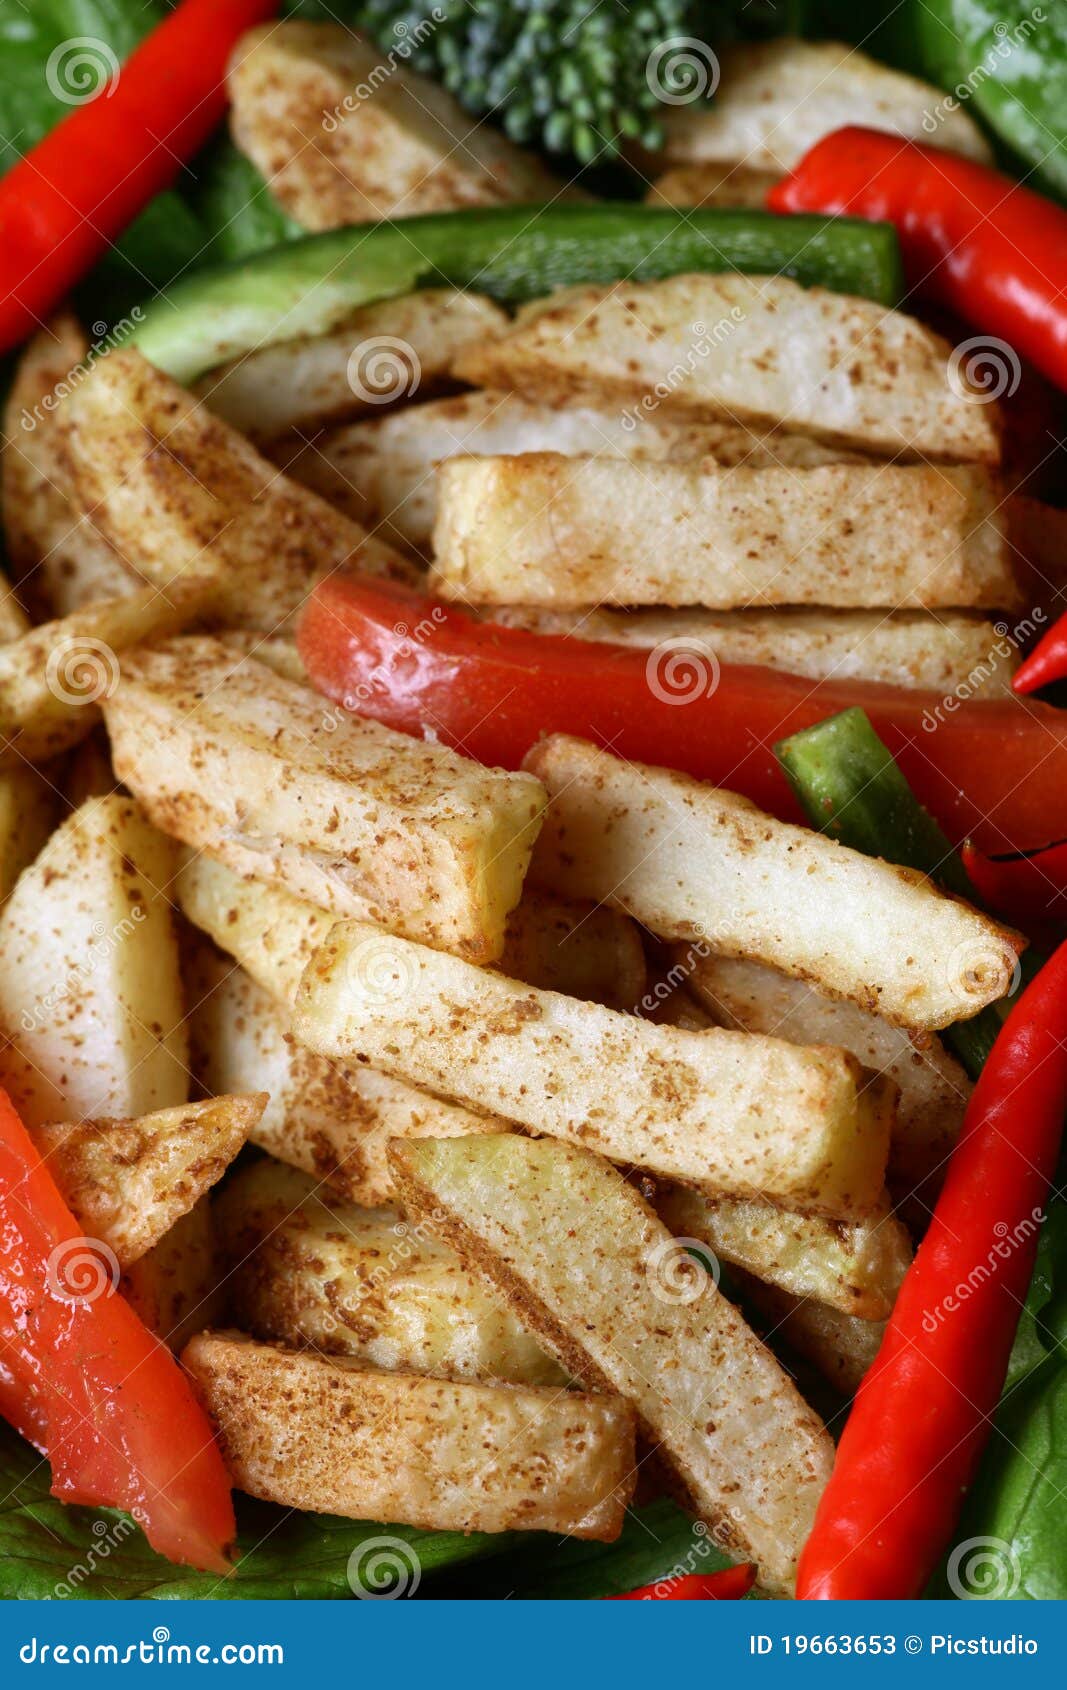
(574, 76)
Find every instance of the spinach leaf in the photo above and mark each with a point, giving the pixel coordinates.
(49, 1550)
(1011, 1541)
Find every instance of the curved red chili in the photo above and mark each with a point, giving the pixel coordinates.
(993, 769)
(923, 1412)
(73, 194)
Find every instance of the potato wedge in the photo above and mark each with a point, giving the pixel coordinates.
(775, 99)
(54, 679)
(857, 1269)
(902, 648)
(756, 349)
(343, 138)
(331, 1119)
(58, 557)
(176, 1287)
(382, 472)
(180, 495)
(129, 1181)
(724, 185)
(332, 1436)
(90, 996)
(313, 1272)
(381, 354)
(544, 529)
(228, 756)
(725, 1112)
(272, 933)
(599, 1279)
(578, 948)
(28, 811)
(693, 862)
(841, 1346)
(933, 1086)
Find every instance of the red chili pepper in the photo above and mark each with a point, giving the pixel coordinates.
(1046, 663)
(921, 1416)
(972, 239)
(993, 770)
(88, 1384)
(1032, 888)
(726, 1586)
(64, 203)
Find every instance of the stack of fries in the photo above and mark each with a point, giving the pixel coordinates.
(461, 1271)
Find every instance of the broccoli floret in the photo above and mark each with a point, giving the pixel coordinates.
(574, 76)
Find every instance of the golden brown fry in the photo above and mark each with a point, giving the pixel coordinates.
(311, 1271)
(129, 1181)
(591, 1271)
(696, 863)
(566, 533)
(756, 349)
(329, 1435)
(726, 1112)
(231, 757)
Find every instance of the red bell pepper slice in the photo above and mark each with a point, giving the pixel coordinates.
(1027, 889)
(972, 239)
(993, 770)
(72, 195)
(88, 1384)
(729, 1585)
(924, 1409)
